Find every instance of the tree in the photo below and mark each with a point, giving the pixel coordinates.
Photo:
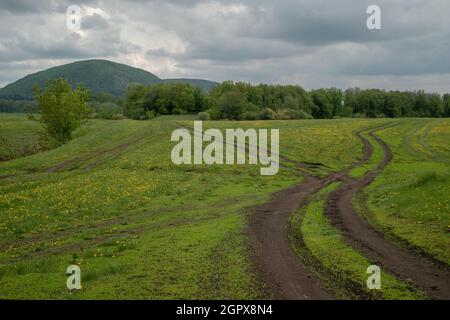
(61, 109)
(134, 105)
(351, 101)
(231, 104)
(393, 104)
(323, 109)
(436, 105)
(446, 99)
(335, 97)
(290, 103)
(372, 102)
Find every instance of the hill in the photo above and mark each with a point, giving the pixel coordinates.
(97, 75)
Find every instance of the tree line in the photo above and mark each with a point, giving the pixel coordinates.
(243, 101)
(61, 110)
(14, 106)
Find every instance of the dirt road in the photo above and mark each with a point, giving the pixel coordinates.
(269, 228)
(418, 271)
(282, 271)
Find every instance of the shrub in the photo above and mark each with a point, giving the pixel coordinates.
(204, 116)
(266, 114)
(214, 113)
(281, 115)
(150, 114)
(298, 114)
(250, 115)
(106, 110)
(118, 116)
(359, 115)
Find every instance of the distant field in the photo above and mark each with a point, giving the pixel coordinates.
(140, 227)
(18, 137)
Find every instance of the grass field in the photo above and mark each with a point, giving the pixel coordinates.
(410, 199)
(140, 227)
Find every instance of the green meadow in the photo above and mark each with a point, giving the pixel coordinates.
(112, 202)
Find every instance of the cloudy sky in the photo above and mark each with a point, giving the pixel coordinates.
(315, 43)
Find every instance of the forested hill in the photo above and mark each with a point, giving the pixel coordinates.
(98, 75)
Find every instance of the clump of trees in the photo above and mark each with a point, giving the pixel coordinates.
(375, 103)
(243, 101)
(60, 109)
(147, 101)
(105, 106)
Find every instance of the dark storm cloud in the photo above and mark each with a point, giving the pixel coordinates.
(323, 22)
(312, 42)
(38, 6)
(24, 6)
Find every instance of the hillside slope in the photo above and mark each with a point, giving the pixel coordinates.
(97, 75)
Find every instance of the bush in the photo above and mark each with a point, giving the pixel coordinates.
(250, 115)
(204, 116)
(266, 114)
(281, 115)
(214, 113)
(359, 115)
(150, 114)
(136, 114)
(298, 114)
(118, 116)
(107, 110)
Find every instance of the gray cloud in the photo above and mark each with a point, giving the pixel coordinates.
(24, 6)
(311, 42)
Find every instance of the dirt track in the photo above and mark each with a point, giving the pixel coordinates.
(278, 266)
(86, 162)
(416, 270)
(285, 275)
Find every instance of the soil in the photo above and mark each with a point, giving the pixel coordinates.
(416, 270)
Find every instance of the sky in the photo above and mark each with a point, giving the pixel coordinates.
(313, 43)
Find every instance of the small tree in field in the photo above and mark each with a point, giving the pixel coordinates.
(61, 109)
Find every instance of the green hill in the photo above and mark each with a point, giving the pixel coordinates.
(97, 75)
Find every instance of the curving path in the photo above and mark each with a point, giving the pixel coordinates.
(418, 271)
(268, 230)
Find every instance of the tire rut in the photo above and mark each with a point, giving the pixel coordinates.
(279, 268)
(418, 271)
(88, 161)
